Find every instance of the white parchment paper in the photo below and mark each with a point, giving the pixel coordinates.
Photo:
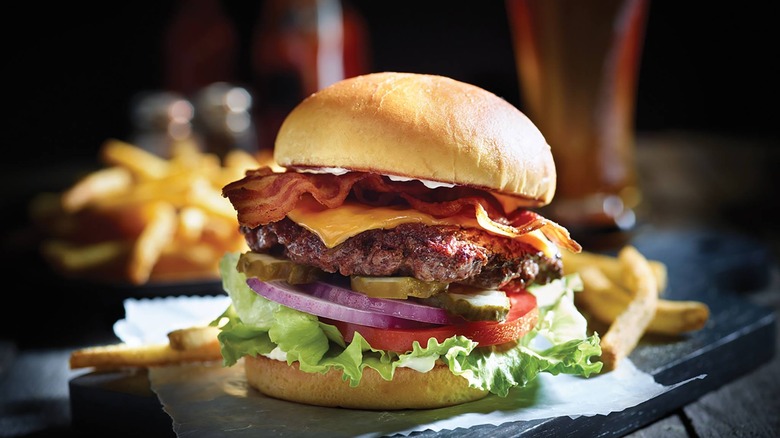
(149, 320)
(207, 400)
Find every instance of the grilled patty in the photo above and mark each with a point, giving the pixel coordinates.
(429, 253)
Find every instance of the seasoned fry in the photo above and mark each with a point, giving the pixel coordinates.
(193, 338)
(605, 300)
(117, 356)
(629, 326)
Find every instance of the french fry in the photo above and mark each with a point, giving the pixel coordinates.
(193, 338)
(139, 161)
(266, 158)
(177, 266)
(605, 300)
(187, 158)
(198, 253)
(107, 221)
(221, 231)
(118, 356)
(205, 196)
(611, 267)
(172, 188)
(616, 292)
(192, 221)
(158, 233)
(628, 327)
(192, 344)
(101, 184)
(186, 153)
(236, 163)
(71, 258)
(240, 160)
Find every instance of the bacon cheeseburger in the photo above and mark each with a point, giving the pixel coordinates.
(394, 264)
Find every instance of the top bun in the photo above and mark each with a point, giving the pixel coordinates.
(424, 127)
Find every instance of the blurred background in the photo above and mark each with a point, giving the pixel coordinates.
(72, 70)
(76, 73)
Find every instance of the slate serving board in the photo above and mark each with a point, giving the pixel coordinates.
(705, 265)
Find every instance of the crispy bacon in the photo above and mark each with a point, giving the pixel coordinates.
(264, 196)
(528, 220)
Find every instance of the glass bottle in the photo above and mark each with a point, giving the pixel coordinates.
(297, 48)
(200, 47)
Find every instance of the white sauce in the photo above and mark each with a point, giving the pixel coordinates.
(419, 364)
(341, 171)
(330, 170)
(428, 183)
(277, 354)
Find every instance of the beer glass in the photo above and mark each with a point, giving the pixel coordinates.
(577, 64)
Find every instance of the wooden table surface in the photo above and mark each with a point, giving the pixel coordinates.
(687, 179)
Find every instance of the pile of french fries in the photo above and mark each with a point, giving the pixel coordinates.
(142, 217)
(625, 293)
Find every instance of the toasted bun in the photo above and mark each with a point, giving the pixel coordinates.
(423, 127)
(409, 389)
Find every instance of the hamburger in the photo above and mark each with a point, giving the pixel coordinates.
(395, 258)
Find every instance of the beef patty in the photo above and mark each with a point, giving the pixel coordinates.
(429, 253)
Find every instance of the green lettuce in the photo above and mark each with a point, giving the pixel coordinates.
(559, 343)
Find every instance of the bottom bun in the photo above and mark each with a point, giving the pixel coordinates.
(409, 389)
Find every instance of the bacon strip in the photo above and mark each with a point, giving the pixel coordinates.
(264, 196)
(527, 221)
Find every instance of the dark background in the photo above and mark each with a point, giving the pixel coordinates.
(72, 68)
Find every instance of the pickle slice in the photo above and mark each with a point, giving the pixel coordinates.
(396, 287)
(473, 304)
(267, 267)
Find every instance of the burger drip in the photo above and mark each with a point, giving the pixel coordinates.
(299, 47)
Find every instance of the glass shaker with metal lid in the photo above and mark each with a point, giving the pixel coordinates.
(223, 118)
(161, 118)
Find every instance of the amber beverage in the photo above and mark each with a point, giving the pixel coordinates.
(577, 62)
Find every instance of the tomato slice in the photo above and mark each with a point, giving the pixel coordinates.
(521, 319)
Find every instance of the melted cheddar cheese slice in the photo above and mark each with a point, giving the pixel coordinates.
(335, 225)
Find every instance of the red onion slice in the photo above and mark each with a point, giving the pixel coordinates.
(299, 299)
(399, 308)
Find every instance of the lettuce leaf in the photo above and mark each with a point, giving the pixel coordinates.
(559, 343)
